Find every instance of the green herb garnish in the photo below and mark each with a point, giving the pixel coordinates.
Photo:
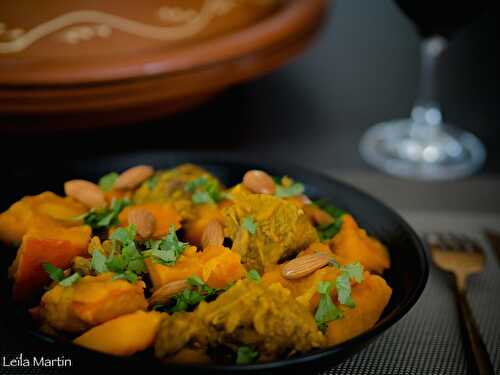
(98, 262)
(167, 250)
(108, 217)
(328, 232)
(204, 191)
(189, 298)
(325, 233)
(249, 225)
(329, 208)
(343, 282)
(192, 185)
(153, 181)
(254, 275)
(246, 355)
(57, 274)
(286, 187)
(107, 181)
(127, 275)
(127, 264)
(327, 310)
(70, 280)
(291, 191)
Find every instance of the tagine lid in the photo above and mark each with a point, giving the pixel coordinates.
(88, 41)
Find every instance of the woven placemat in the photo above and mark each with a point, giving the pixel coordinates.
(428, 340)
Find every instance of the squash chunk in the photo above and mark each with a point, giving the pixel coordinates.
(371, 297)
(124, 335)
(45, 209)
(164, 214)
(354, 244)
(204, 213)
(90, 301)
(56, 245)
(216, 265)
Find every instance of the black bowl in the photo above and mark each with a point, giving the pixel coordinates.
(407, 276)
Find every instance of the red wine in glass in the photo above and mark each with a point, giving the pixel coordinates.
(422, 146)
(439, 17)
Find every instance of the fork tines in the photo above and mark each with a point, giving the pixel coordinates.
(452, 242)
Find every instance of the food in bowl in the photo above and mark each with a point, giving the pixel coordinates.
(173, 261)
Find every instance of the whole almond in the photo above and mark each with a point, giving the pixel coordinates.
(143, 220)
(317, 215)
(167, 291)
(213, 234)
(305, 265)
(259, 182)
(133, 177)
(85, 192)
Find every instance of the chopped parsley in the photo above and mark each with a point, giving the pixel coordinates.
(108, 217)
(254, 275)
(249, 225)
(192, 185)
(327, 232)
(70, 280)
(57, 274)
(204, 191)
(343, 282)
(246, 355)
(127, 264)
(327, 310)
(153, 181)
(98, 262)
(189, 298)
(286, 187)
(167, 250)
(107, 181)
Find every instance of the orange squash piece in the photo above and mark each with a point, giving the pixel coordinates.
(371, 297)
(203, 214)
(92, 300)
(56, 245)
(216, 265)
(164, 213)
(353, 244)
(124, 335)
(45, 209)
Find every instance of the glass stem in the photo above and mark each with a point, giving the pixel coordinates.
(426, 113)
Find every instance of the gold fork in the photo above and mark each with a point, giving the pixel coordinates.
(462, 256)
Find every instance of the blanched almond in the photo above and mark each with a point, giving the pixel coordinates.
(144, 221)
(305, 265)
(133, 177)
(213, 234)
(167, 291)
(85, 192)
(259, 182)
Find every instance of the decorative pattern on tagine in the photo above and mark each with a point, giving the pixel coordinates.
(83, 25)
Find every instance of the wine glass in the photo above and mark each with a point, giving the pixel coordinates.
(423, 146)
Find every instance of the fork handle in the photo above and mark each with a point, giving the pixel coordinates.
(477, 349)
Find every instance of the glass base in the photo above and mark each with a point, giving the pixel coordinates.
(404, 149)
